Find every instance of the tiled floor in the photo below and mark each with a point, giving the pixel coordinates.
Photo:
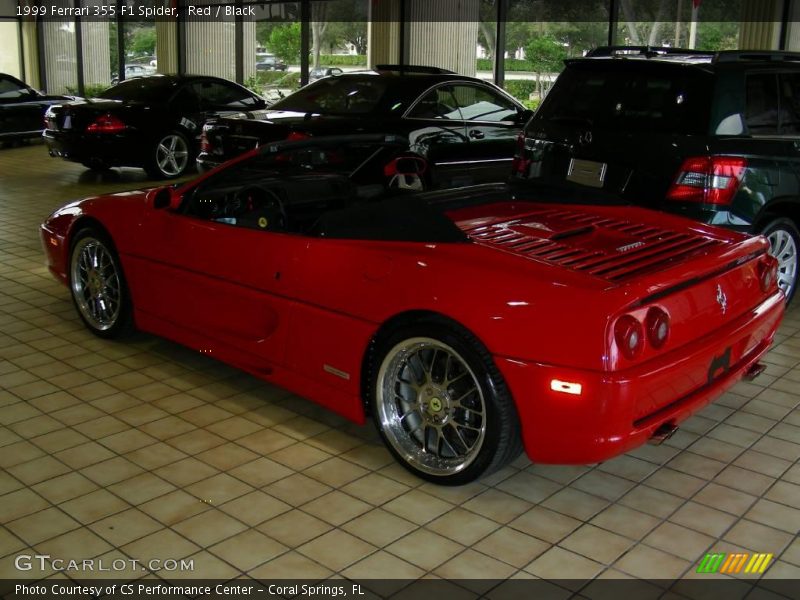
(143, 449)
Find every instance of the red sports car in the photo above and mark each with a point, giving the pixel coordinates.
(469, 323)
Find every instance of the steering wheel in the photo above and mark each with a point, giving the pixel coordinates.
(261, 208)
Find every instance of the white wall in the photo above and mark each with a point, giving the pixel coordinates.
(10, 48)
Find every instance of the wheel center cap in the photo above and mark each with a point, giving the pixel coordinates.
(435, 405)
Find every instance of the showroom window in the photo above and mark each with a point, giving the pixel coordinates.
(10, 48)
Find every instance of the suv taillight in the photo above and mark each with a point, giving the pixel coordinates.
(708, 179)
(205, 145)
(107, 123)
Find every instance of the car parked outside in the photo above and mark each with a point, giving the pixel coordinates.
(711, 136)
(460, 130)
(150, 122)
(269, 62)
(321, 72)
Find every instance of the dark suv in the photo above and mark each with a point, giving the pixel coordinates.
(712, 136)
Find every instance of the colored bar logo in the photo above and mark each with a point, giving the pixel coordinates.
(735, 563)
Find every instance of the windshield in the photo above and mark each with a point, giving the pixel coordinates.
(336, 96)
(143, 89)
(630, 100)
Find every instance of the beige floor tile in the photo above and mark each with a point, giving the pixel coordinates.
(233, 428)
(255, 508)
(299, 456)
(205, 415)
(725, 498)
(375, 489)
(101, 427)
(125, 527)
(155, 456)
(84, 455)
(381, 528)
(196, 441)
(649, 563)
(511, 547)
(141, 488)
(127, 441)
(174, 507)
(529, 487)
(111, 471)
(116, 402)
(9, 483)
(463, 526)
(775, 515)
(61, 439)
(598, 544)
(162, 545)
(75, 545)
(18, 453)
(744, 480)
(94, 506)
(66, 487)
(289, 566)
(336, 508)
(9, 543)
(551, 565)
(651, 501)
(473, 565)
(703, 519)
(785, 493)
(19, 504)
(42, 525)
(757, 537)
(417, 507)
(38, 469)
(575, 503)
(261, 472)
(166, 428)
(296, 489)
(675, 482)
(301, 427)
(369, 456)
(37, 426)
(211, 567)
(335, 472)
(209, 527)
(680, 541)
(425, 549)
(265, 441)
(227, 456)
(604, 485)
(248, 549)
(625, 521)
(186, 471)
(385, 566)
(336, 549)
(219, 489)
(294, 528)
(765, 464)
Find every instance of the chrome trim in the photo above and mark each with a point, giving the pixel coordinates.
(473, 162)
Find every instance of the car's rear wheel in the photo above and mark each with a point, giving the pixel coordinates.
(784, 244)
(441, 405)
(170, 156)
(98, 285)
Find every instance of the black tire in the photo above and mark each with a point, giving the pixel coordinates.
(446, 417)
(100, 293)
(170, 156)
(784, 238)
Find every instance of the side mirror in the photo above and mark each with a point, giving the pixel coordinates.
(160, 198)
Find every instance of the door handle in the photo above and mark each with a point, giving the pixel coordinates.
(476, 134)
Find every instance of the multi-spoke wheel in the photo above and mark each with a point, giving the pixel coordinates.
(442, 406)
(98, 285)
(171, 156)
(784, 243)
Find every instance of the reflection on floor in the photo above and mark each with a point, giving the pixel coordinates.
(146, 450)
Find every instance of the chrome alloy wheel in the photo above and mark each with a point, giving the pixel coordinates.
(95, 283)
(431, 406)
(172, 155)
(783, 247)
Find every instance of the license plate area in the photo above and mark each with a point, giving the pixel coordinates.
(587, 172)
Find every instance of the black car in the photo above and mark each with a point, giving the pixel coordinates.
(151, 122)
(269, 62)
(460, 130)
(22, 109)
(712, 136)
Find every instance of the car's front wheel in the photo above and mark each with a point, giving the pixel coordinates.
(98, 285)
(170, 156)
(441, 405)
(784, 244)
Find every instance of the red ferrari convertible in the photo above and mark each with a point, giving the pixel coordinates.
(469, 323)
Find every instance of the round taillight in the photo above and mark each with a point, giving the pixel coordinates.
(629, 335)
(769, 273)
(657, 325)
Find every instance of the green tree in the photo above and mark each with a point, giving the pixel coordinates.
(546, 55)
(284, 42)
(143, 42)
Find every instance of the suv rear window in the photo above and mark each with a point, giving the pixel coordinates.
(631, 100)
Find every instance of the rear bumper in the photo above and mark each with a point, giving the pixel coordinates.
(107, 150)
(615, 412)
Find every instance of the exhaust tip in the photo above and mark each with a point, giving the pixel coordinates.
(662, 434)
(754, 371)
